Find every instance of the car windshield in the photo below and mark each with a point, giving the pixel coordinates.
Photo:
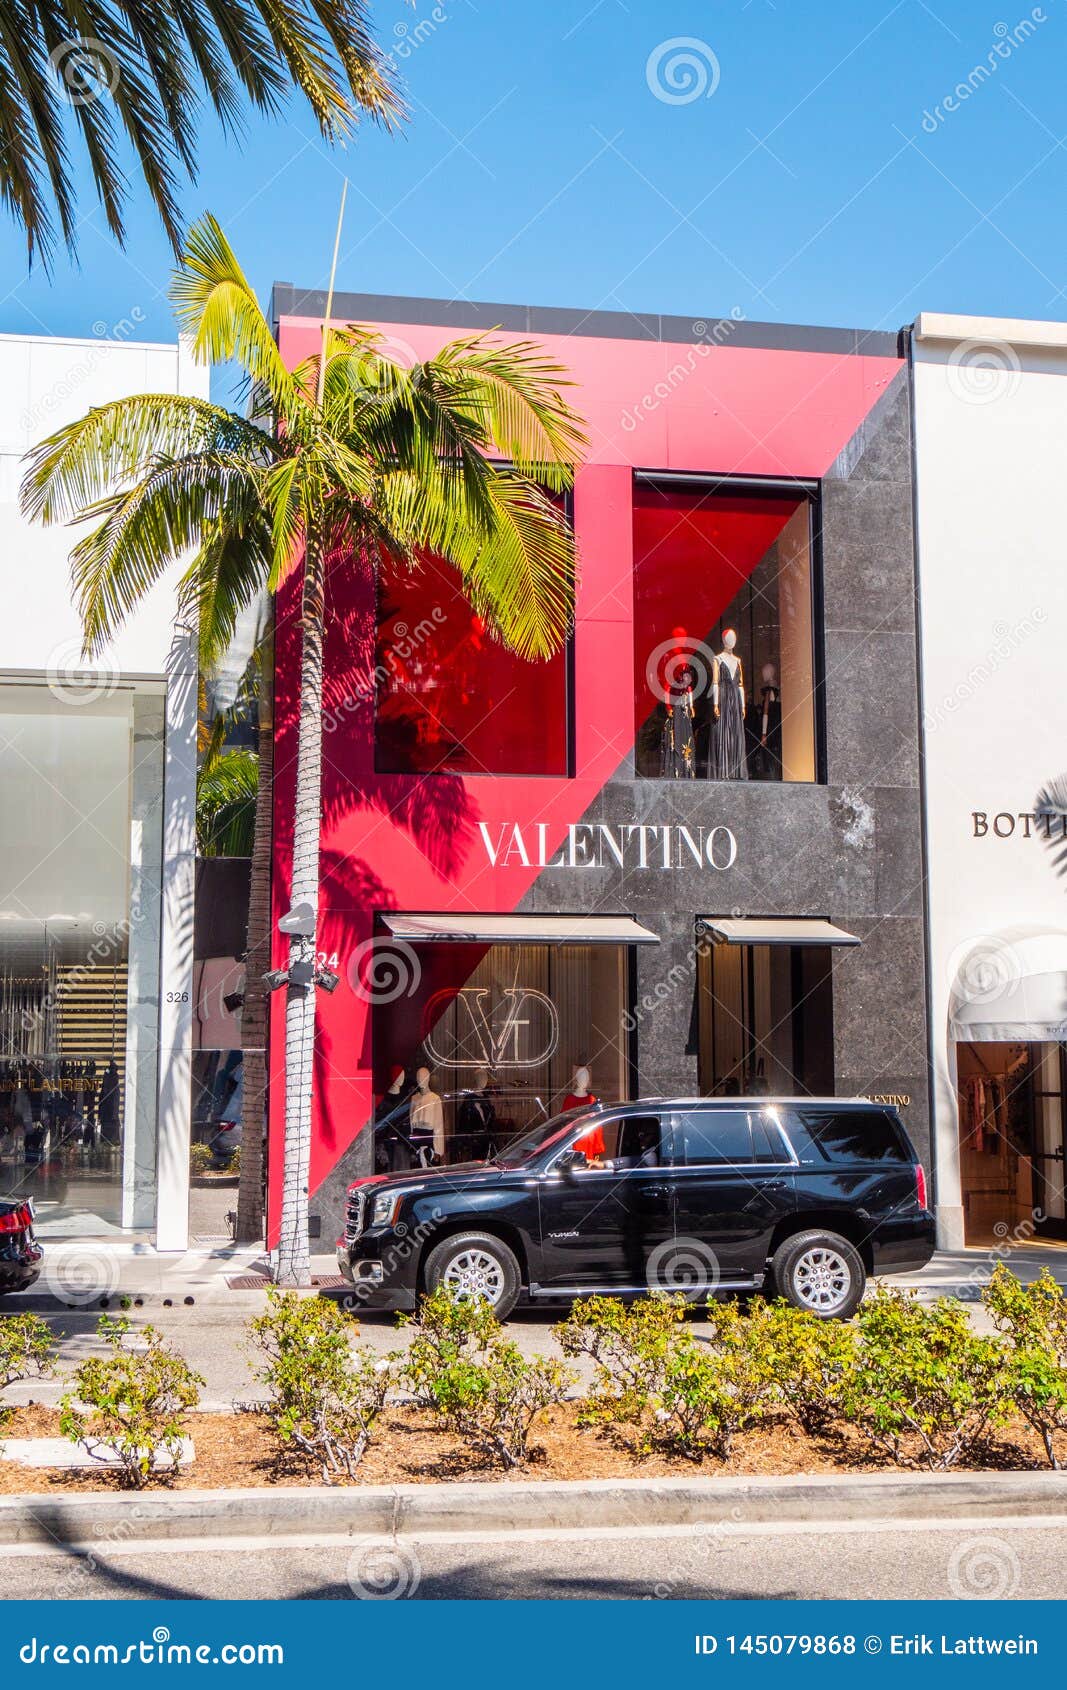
(536, 1139)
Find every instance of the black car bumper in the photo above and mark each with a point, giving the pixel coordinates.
(374, 1281)
(904, 1244)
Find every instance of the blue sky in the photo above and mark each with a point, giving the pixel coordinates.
(803, 167)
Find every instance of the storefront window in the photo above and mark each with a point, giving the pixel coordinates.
(494, 1038)
(451, 698)
(724, 668)
(68, 957)
(765, 1020)
(1013, 1134)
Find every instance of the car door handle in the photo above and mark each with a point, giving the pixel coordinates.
(659, 1190)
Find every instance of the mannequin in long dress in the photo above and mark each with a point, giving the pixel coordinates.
(678, 746)
(726, 752)
(428, 1114)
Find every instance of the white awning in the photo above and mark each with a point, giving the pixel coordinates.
(520, 929)
(774, 930)
(1011, 986)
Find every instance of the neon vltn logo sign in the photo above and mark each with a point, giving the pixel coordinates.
(633, 845)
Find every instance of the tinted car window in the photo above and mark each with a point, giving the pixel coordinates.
(714, 1136)
(634, 1141)
(847, 1135)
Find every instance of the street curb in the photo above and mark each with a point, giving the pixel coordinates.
(106, 1520)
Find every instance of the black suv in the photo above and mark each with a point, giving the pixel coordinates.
(805, 1196)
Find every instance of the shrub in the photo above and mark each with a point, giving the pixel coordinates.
(461, 1366)
(201, 1161)
(324, 1399)
(652, 1374)
(1033, 1318)
(813, 1362)
(924, 1380)
(25, 1352)
(130, 1403)
(233, 1166)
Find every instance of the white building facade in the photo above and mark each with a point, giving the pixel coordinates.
(990, 447)
(97, 845)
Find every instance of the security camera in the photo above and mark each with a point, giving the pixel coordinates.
(299, 922)
(232, 1001)
(277, 978)
(329, 982)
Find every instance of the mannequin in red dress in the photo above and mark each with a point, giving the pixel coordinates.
(590, 1144)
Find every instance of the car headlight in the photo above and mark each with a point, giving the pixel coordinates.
(385, 1208)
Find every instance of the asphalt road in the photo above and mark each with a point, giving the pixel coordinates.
(918, 1560)
(212, 1338)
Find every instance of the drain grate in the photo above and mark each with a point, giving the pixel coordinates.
(259, 1282)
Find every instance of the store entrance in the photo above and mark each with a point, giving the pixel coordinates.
(766, 1020)
(1012, 1118)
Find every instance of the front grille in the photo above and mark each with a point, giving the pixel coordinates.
(353, 1216)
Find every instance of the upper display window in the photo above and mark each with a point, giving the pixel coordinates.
(449, 697)
(724, 647)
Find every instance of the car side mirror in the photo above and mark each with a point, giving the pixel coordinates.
(566, 1162)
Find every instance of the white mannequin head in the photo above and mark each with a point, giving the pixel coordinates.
(770, 674)
(729, 639)
(481, 1079)
(422, 1078)
(581, 1083)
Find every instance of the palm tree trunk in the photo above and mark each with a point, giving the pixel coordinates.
(255, 1014)
(294, 1260)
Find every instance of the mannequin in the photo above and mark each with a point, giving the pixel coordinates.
(726, 752)
(392, 1150)
(476, 1119)
(428, 1113)
(677, 759)
(580, 1095)
(768, 725)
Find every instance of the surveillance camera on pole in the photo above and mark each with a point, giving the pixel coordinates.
(299, 922)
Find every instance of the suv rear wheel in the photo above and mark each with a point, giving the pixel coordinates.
(820, 1272)
(476, 1264)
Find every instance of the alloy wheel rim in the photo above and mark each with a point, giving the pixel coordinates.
(822, 1279)
(475, 1273)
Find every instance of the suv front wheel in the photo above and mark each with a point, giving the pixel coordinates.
(476, 1264)
(820, 1272)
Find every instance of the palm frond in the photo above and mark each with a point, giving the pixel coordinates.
(514, 391)
(217, 307)
(83, 461)
(226, 790)
(157, 60)
(144, 530)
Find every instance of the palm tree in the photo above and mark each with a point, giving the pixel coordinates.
(137, 71)
(458, 456)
